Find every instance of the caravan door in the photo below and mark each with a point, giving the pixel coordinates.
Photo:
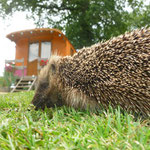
(37, 50)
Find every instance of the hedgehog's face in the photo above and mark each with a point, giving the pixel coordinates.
(47, 94)
(40, 98)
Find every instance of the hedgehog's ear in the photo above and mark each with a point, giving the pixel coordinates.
(53, 69)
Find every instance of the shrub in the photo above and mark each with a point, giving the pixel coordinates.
(9, 77)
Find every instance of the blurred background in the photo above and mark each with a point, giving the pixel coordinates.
(84, 22)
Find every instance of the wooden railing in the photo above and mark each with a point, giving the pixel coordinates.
(21, 67)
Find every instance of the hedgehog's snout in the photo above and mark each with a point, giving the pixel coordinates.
(38, 101)
(42, 101)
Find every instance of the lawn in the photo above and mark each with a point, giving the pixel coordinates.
(1, 81)
(21, 127)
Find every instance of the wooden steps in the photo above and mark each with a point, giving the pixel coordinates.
(24, 84)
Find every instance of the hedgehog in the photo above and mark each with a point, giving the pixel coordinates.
(110, 73)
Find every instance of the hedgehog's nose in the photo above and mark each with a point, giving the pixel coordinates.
(38, 102)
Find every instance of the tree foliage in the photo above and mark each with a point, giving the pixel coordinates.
(84, 22)
(140, 17)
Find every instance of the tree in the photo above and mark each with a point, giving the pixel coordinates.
(84, 22)
(140, 17)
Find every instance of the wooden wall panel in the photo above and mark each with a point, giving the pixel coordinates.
(22, 50)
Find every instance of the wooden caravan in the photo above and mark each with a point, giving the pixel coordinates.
(39, 44)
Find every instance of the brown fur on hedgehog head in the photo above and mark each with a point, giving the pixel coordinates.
(46, 93)
(51, 91)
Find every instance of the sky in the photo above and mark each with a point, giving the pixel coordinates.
(7, 47)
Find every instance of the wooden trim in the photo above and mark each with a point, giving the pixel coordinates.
(39, 48)
(15, 61)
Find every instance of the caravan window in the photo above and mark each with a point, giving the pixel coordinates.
(33, 51)
(45, 49)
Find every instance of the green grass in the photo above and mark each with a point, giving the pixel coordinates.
(21, 127)
(1, 81)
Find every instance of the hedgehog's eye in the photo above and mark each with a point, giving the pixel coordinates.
(53, 69)
(43, 85)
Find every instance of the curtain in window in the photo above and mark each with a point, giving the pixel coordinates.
(45, 49)
(33, 51)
